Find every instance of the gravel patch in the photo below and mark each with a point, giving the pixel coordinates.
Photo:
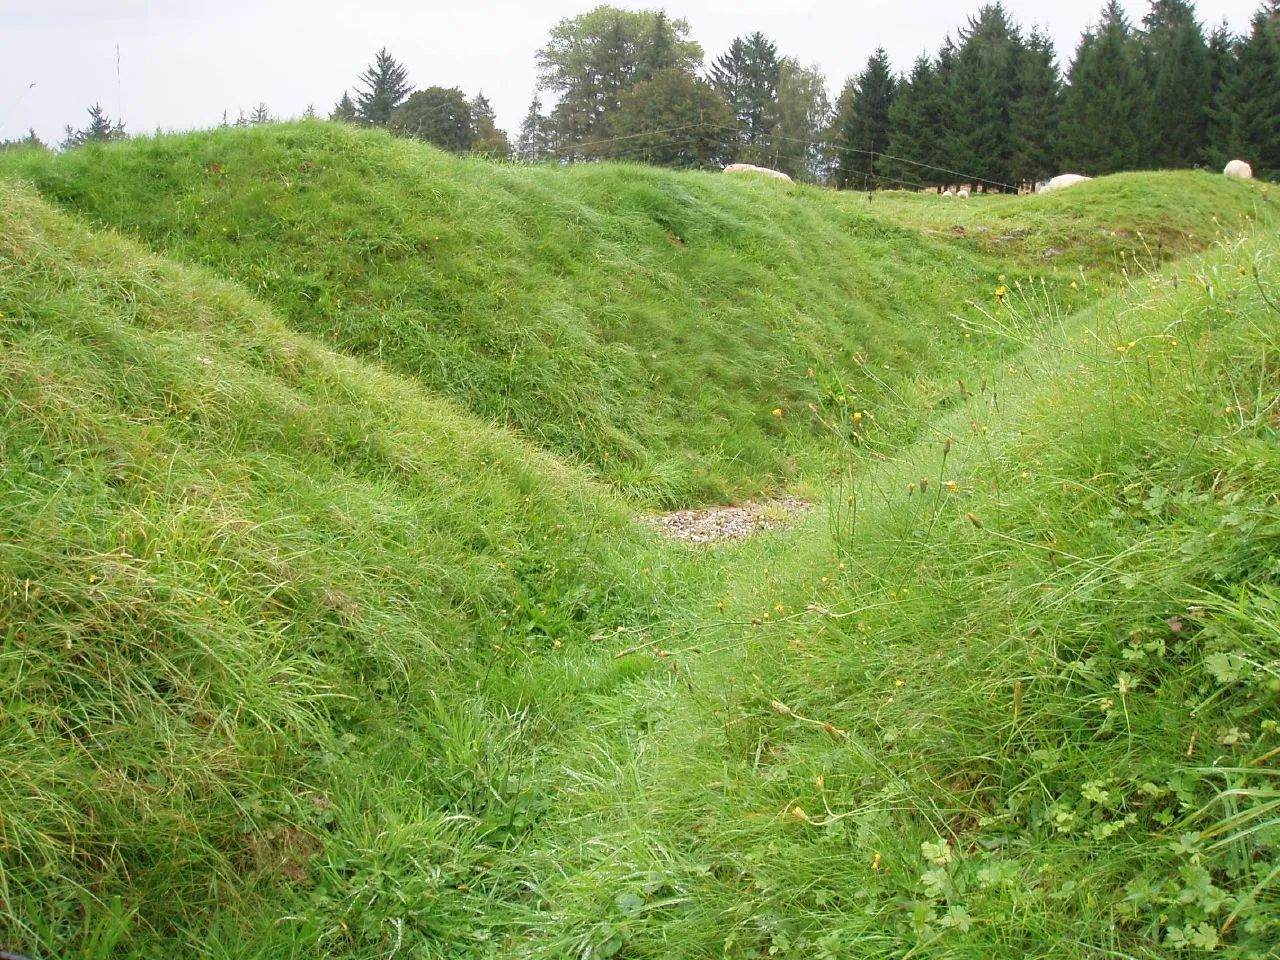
(717, 524)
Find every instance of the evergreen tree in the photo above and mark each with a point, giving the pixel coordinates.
(803, 116)
(592, 60)
(241, 120)
(29, 141)
(1104, 108)
(660, 51)
(100, 127)
(260, 115)
(488, 139)
(674, 120)
(344, 111)
(985, 86)
(1249, 103)
(439, 116)
(1222, 59)
(862, 124)
(1034, 117)
(386, 87)
(1179, 68)
(99, 130)
(536, 142)
(747, 76)
(919, 120)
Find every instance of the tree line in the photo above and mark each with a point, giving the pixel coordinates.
(993, 105)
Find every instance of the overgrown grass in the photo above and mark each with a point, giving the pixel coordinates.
(1033, 714)
(642, 322)
(297, 659)
(260, 605)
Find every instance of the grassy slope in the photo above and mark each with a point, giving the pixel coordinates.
(257, 599)
(202, 761)
(644, 322)
(1058, 683)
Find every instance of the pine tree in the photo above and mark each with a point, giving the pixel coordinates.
(30, 140)
(918, 126)
(344, 111)
(386, 87)
(1105, 105)
(985, 86)
(1222, 59)
(260, 115)
(1178, 67)
(862, 124)
(1249, 103)
(99, 130)
(535, 144)
(747, 76)
(488, 139)
(1035, 116)
(100, 127)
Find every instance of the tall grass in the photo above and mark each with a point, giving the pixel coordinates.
(299, 659)
(1032, 714)
(259, 603)
(641, 322)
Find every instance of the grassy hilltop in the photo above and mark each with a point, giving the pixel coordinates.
(641, 322)
(305, 652)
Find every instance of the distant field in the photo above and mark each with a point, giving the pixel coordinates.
(329, 627)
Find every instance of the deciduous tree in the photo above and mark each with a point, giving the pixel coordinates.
(592, 60)
(674, 120)
(437, 115)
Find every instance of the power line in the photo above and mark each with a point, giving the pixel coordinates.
(888, 156)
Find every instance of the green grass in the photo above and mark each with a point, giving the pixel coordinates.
(299, 658)
(236, 567)
(641, 322)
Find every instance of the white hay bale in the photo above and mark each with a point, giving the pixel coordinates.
(759, 171)
(1063, 181)
(1239, 169)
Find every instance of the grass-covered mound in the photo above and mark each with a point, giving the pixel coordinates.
(644, 322)
(1016, 695)
(299, 659)
(260, 606)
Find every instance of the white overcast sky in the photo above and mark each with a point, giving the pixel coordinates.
(183, 62)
